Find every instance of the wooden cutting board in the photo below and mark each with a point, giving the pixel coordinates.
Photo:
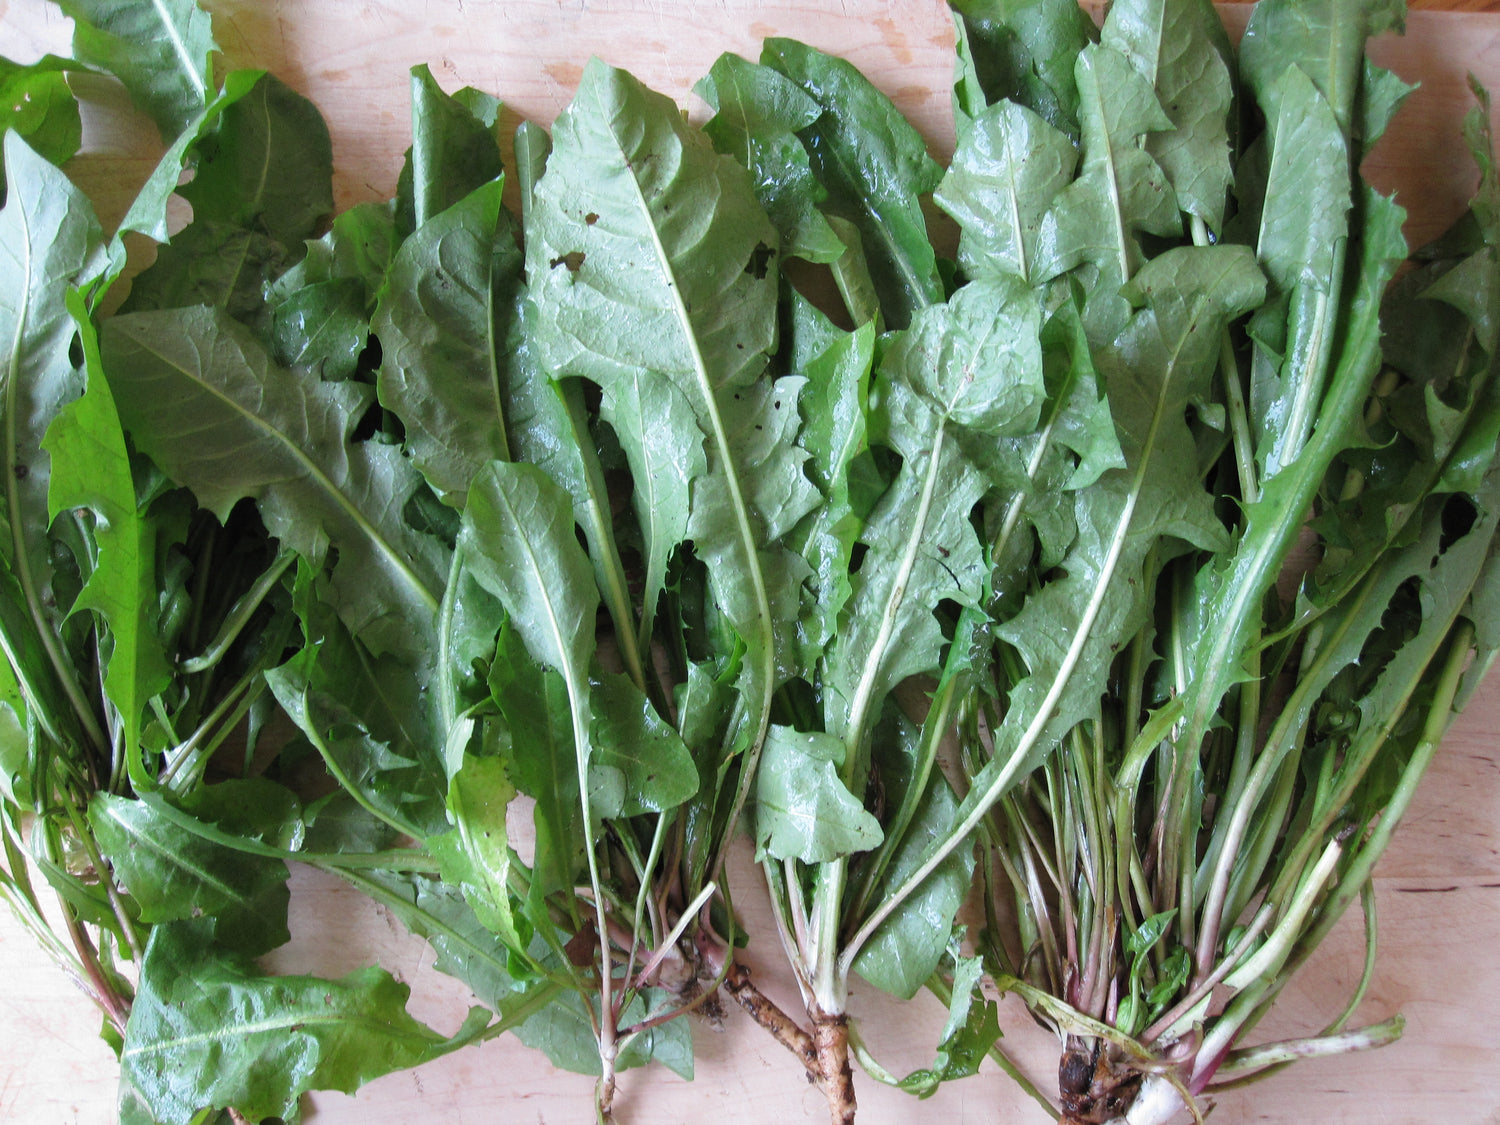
(1438, 887)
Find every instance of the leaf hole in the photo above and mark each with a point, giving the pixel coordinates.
(372, 422)
(1458, 520)
(760, 261)
(797, 705)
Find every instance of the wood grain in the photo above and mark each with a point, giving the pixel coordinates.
(1438, 887)
(1454, 6)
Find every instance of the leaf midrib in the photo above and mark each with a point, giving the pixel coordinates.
(767, 656)
(1111, 179)
(492, 357)
(176, 859)
(321, 479)
(179, 48)
(575, 679)
(259, 195)
(27, 581)
(913, 285)
(12, 382)
(292, 1021)
(896, 595)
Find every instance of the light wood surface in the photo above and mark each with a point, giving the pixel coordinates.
(1438, 887)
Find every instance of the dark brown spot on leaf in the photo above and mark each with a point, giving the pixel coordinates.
(581, 947)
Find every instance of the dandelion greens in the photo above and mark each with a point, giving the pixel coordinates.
(1126, 554)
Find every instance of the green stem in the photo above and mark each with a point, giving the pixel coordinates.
(658, 838)
(1252, 1063)
(213, 729)
(117, 904)
(934, 729)
(609, 571)
(1272, 526)
(1260, 972)
(447, 609)
(1439, 715)
(1283, 738)
(863, 701)
(392, 859)
(239, 614)
(1367, 900)
(670, 942)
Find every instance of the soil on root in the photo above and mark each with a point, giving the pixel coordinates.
(831, 1044)
(824, 1054)
(1095, 1082)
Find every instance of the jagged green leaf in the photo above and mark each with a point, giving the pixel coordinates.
(49, 242)
(1324, 39)
(91, 470)
(322, 328)
(758, 113)
(209, 1030)
(1133, 517)
(834, 434)
(454, 149)
(442, 325)
(647, 252)
(1307, 191)
(518, 540)
(210, 263)
(402, 791)
(204, 401)
(656, 771)
(664, 447)
(1179, 46)
(1008, 169)
(477, 854)
(1227, 584)
(162, 51)
(1024, 51)
(1120, 190)
(37, 103)
(875, 168)
(15, 742)
(359, 246)
(971, 364)
(465, 949)
(1299, 244)
(564, 1033)
(268, 168)
(802, 809)
(171, 873)
(148, 211)
(972, 1028)
(538, 741)
(549, 424)
(904, 952)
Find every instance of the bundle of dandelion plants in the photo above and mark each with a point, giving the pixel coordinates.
(1287, 582)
